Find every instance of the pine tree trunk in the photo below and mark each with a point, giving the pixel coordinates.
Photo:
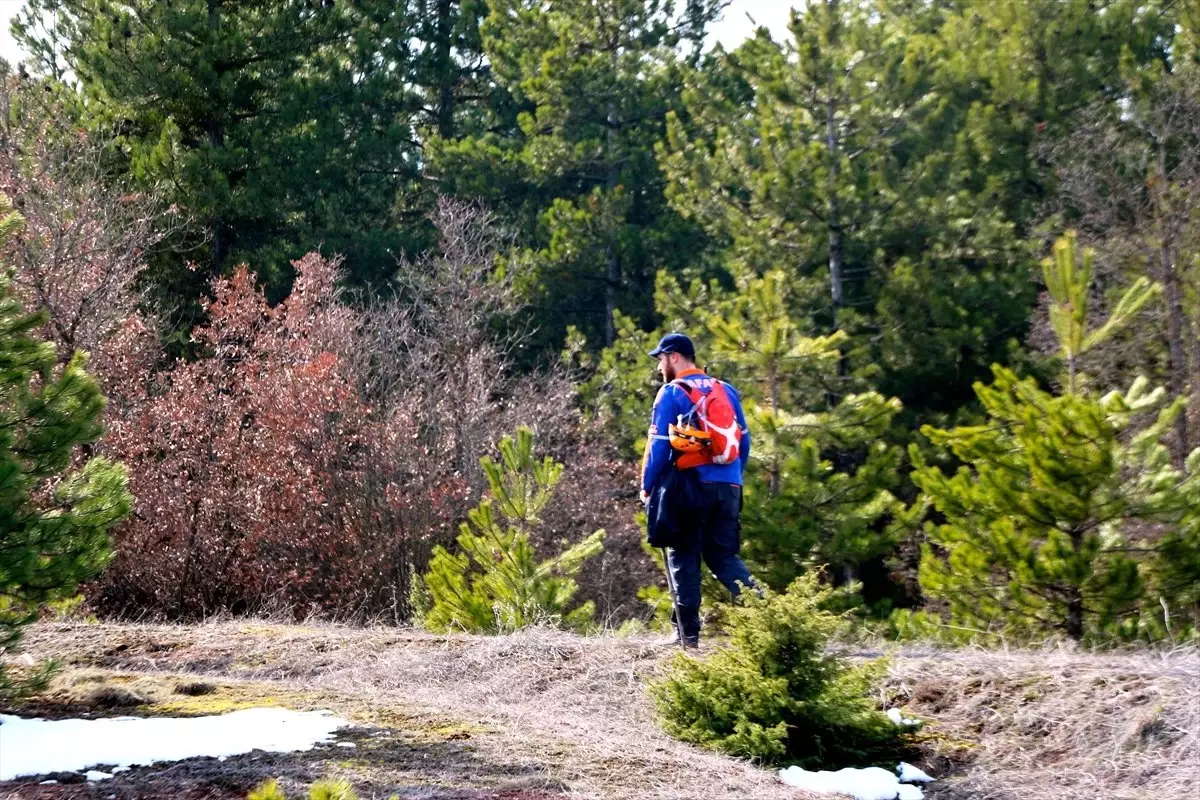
(1075, 614)
(1178, 362)
(612, 277)
(216, 140)
(1193, 407)
(1075, 595)
(776, 466)
(837, 247)
(1176, 322)
(444, 68)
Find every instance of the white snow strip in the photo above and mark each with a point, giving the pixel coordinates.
(115, 770)
(97, 775)
(37, 746)
(871, 783)
(347, 745)
(898, 718)
(47, 783)
(910, 774)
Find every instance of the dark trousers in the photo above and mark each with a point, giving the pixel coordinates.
(717, 540)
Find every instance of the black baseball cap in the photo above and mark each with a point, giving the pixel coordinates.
(675, 343)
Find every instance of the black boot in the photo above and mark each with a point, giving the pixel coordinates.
(690, 627)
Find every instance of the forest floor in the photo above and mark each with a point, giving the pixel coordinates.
(544, 715)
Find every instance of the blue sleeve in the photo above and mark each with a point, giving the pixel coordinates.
(658, 451)
(736, 400)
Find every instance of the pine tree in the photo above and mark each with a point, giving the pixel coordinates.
(279, 127)
(775, 693)
(495, 581)
(572, 159)
(1129, 179)
(618, 385)
(55, 511)
(1053, 523)
(835, 156)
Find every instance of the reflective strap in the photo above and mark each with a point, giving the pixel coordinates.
(662, 438)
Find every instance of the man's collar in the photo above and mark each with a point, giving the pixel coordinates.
(687, 373)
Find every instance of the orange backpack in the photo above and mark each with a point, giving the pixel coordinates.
(712, 416)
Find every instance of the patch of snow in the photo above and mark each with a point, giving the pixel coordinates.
(38, 746)
(910, 774)
(97, 775)
(47, 783)
(871, 783)
(898, 718)
(115, 770)
(349, 745)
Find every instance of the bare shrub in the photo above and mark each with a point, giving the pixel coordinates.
(82, 249)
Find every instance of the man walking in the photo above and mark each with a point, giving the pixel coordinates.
(678, 440)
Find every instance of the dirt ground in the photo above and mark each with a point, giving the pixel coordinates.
(543, 715)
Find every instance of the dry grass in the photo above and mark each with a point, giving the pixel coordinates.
(1059, 724)
(1035, 725)
(568, 708)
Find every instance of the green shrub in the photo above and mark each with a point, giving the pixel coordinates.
(324, 789)
(267, 790)
(908, 625)
(331, 789)
(775, 693)
(495, 581)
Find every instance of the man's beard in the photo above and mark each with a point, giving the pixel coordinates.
(669, 373)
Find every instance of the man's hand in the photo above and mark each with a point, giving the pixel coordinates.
(644, 496)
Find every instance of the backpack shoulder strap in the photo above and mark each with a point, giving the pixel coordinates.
(694, 395)
(686, 388)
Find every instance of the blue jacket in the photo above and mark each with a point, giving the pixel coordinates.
(671, 402)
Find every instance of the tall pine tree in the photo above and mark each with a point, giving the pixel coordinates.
(572, 160)
(279, 127)
(833, 156)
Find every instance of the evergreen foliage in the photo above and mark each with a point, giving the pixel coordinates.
(1055, 521)
(775, 693)
(55, 508)
(847, 221)
(592, 82)
(495, 582)
(279, 127)
(838, 157)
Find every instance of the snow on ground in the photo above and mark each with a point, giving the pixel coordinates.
(37, 746)
(911, 774)
(898, 718)
(872, 783)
